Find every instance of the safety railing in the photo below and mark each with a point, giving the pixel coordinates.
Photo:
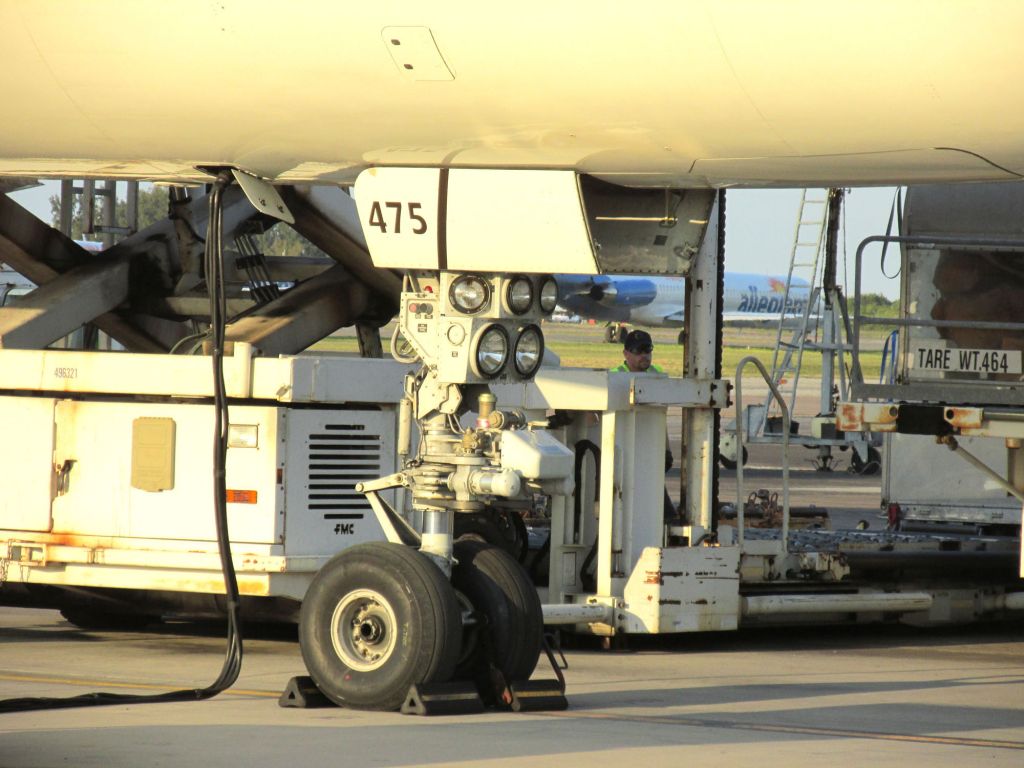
(995, 392)
(740, 511)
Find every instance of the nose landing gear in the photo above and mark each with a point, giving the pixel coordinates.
(380, 618)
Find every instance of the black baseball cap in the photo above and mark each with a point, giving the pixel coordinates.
(638, 341)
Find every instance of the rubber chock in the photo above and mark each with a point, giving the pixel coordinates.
(453, 698)
(302, 692)
(537, 695)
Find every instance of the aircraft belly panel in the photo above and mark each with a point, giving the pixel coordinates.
(603, 93)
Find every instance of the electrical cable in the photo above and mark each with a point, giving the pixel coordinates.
(895, 212)
(185, 339)
(396, 354)
(254, 262)
(233, 657)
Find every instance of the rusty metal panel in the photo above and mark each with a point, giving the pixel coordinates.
(685, 589)
(866, 417)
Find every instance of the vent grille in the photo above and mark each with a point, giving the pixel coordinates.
(339, 457)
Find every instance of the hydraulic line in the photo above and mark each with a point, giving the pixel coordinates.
(233, 657)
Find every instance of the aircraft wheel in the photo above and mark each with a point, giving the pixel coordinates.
(869, 467)
(500, 527)
(610, 334)
(500, 590)
(681, 338)
(378, 618)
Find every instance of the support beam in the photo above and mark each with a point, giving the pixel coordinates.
(703, 346)
(369, 340)
(64, 304)
(41, 254)
(766, 605)
(327, 217)
(305, 314)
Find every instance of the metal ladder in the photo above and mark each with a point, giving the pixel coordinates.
(804, 262)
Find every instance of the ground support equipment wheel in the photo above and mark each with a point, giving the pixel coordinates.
(499, 589)
(730, 464)
(869, 467)
(378, 618)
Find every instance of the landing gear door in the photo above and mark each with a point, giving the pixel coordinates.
(475, 219)
(645, 231)
(26, 495)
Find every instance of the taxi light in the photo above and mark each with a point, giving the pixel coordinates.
(491, 353)
(548, 295)
(519, 295)
(470, 294)
(528, 352)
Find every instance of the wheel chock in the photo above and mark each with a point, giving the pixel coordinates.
(452, 698)
(537, 695)
(302, 692)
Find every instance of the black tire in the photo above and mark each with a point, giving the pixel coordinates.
(502, 528)
(87, 618)
(681, 338)
(500, 589)
(377, 589)
(868, 468)
(610, 334)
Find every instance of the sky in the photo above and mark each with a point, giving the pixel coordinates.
(760, 223)
(759, 230)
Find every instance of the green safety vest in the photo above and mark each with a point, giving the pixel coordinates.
(624, 369)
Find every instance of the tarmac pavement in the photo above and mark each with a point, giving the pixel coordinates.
(889, 696)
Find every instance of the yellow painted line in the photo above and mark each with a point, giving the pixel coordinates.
(141, 686)
(795, 729)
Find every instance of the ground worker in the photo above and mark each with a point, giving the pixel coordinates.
(637, 352)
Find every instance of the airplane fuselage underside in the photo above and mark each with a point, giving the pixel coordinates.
(682, 95)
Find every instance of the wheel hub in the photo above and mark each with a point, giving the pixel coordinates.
(363, 630)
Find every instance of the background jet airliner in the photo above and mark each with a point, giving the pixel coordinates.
(657, 302)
